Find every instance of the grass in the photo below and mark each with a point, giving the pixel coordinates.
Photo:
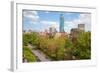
(28, 55)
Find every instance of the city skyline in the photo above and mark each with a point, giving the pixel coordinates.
(42, 20)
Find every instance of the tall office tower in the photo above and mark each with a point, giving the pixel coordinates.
(81, 27)
(61, 28)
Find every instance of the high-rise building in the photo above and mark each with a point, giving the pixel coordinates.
(61, 28)
(52, 32)
(81, 27)
(52, 29)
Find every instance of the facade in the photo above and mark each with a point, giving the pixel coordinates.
(61, 28)
(81, 27)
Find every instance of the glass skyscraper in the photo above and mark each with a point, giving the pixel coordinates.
(61, 28)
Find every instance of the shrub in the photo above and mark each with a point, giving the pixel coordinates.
(28, 55)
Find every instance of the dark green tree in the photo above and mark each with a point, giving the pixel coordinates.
(82, 47)
(30, 38)
(68, 49)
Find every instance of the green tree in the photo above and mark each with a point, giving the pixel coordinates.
(82, 48)
(34, 38)
(61, 41)
(26, 39)
(69, 48)
(30, 38)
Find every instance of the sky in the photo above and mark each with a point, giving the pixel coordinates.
(42, 20)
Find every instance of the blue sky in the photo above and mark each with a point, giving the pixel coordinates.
(43, 20)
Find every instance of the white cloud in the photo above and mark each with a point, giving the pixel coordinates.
(83, 19)
(48, 24)
(69, 25)
(32, 15)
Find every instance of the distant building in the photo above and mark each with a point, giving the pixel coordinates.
(81, 27)
(75, 31)
(52, 30)
(59, 34)
(30, 31)
(42, 33)
(61, 28)
(73, 34)
(46, 31)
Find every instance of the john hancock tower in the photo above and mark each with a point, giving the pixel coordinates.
(61, 23)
